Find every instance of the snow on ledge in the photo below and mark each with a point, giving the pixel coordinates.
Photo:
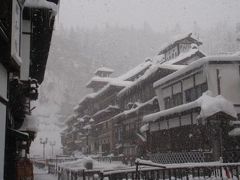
(41, 4)
(209, 106)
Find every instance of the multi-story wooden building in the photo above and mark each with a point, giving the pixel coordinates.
(192, 126)
(25, 35)
(117, 110)
(139, 99)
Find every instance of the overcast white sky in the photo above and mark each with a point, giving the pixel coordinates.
(160, 14)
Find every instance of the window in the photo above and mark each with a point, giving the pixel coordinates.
(195, 92)
(177, 99)
(167, 102)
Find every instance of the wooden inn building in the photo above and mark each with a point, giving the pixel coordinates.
(133, 115)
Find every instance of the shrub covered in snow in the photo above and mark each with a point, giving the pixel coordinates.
(88, 163)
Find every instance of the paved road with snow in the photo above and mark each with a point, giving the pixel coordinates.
(40, 174)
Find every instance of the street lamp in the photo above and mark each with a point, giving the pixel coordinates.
(52, 144)
(87, 127)
(43, 142)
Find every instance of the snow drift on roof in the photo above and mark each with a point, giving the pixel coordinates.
(150, 71)
(41, 4)
(99, 79)
(144, 128)
(141, 67)
(194, 65)
(209, 106)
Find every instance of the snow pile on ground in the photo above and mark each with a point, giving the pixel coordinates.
(80, 164)
(30, 124)
(209, 106)
(41, 4)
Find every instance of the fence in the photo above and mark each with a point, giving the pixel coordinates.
(146, 170)
(178, 172)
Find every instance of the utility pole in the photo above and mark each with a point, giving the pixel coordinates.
(43, 142)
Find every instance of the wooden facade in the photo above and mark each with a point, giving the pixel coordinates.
(25, 35)
(179, 130)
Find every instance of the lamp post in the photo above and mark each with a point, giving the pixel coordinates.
(52, 144)
(43, 142)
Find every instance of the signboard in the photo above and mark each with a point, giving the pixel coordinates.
(16, 32)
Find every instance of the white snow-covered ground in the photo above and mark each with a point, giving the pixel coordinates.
(40, 174)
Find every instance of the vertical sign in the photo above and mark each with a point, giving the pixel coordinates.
(16, 31)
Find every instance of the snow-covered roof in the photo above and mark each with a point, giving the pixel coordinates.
(134, 71)
(178, 38)
(209, 106)
(196, 64)
(107, 109)
(42, 4)
(113, 82)
(144, 128)
(97, 79)
(104, 69)
(183, 56)
(149, 72)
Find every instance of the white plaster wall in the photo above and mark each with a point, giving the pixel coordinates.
(229, 80)
(163, 125)
(200, 78)
(187, 83)
(176, 88)
(159, 94)
(154, 126)
(175, 122)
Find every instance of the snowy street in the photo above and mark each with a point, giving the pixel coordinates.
(40, 174)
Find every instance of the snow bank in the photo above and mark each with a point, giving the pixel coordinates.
(79, 164)
(209, 106)
(30, 124)
(41, 4)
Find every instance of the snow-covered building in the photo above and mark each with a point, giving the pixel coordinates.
(118, 105)
(25, 34)
(197, 104)
(139, 99)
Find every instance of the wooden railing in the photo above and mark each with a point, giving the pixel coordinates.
(146, 170)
